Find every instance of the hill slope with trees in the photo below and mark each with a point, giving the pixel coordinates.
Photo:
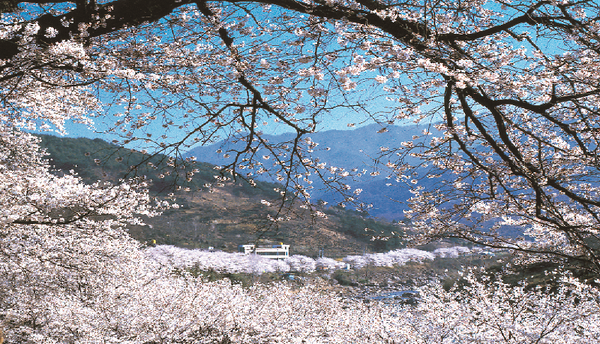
(219, 216)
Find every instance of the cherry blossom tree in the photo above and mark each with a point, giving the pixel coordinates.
(505, 92)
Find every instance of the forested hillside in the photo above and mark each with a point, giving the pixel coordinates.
(97, 159)
(220, 216)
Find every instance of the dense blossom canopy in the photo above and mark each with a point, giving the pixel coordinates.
(506, 93)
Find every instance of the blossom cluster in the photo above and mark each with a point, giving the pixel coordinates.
(206, 260)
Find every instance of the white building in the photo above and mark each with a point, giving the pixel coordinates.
(280, 251)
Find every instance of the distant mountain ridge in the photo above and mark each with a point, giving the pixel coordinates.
(348, 149)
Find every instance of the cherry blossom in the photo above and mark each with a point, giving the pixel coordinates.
(506, 92)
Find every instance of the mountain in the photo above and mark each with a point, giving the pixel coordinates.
(348, 149)
(220, 217)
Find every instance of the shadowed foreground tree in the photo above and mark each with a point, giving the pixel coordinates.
(507, 92)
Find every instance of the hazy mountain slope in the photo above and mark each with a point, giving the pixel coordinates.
(348, 149)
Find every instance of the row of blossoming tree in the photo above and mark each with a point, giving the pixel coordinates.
(506, 93)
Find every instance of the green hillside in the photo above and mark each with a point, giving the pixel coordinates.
(96, 159)
(221, 217)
